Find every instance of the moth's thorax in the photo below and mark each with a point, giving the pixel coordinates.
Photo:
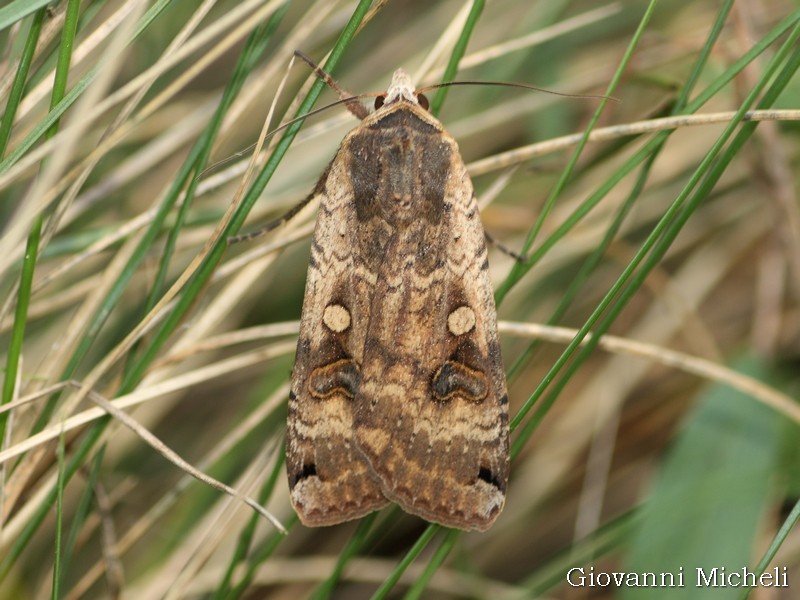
(398, 162)
(401, 88)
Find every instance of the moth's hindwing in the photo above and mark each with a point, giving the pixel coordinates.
(398, 390)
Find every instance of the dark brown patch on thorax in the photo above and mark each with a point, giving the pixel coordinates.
(398, 169)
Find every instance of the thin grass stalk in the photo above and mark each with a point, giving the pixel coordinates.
(69, 32)
(254, 48)
(195, 285)
(266, 550)
(245, 540)
(780, 537)
(191, 291)
(446, 546)
(20, 79)
(422, 541)
(58, 110)
(354, 545)
(82, 513)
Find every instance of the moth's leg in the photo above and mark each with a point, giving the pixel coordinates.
(504, 249)
(350, 101)
(266, 228)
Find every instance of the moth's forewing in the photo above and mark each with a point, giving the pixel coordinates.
(431, 411)
(329, 479)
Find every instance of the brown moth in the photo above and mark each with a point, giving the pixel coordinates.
(398, 391)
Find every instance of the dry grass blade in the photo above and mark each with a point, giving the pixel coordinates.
(162, 388)
(701, 367)
(173, 457)
(615, 132)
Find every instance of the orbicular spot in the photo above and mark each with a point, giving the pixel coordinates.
(309, 470)
(340, 377)
(485, 474)
(461, 320)
(336, 317)
(455, 379)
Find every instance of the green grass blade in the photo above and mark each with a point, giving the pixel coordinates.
(26, 281)
(786, 527)
(245, 540)
(193, 289)
(19, 9)
(520, 268)
(711, 492)
(32, 244)
(20, 78)
(422, 541)
(610, 536)
(254, 48)
(259, 557)
(442, 552)
(58, 110)
(59, 88)
(60, 483)
(593, 260)
(40, 514)
(194, 163)
(457, 54)
(672, 221)
(642, 155)
(356, 542)
(82, 511)
(20, 319)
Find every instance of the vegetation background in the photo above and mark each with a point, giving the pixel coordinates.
(671, 442)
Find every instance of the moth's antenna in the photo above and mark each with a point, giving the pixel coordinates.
(350, 100)
(283, 126)
(353, 102)
(311, 113)
(523, 86)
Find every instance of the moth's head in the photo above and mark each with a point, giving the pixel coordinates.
(401, 89)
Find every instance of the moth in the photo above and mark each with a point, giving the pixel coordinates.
(398, 392)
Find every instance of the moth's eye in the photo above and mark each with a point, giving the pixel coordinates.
(423, 101)
(379, 101)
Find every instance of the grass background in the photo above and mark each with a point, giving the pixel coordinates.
(669, 443)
